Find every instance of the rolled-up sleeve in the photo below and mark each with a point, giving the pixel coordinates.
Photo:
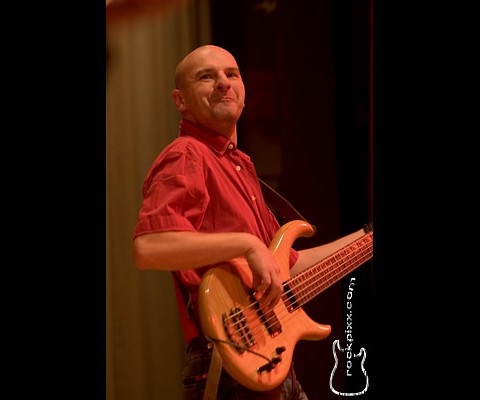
(174, 195)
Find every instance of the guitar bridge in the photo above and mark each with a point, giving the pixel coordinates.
(237, 330)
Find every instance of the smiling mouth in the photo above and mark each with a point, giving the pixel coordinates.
(225, 99)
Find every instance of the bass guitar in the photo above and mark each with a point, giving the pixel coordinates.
(257, 346)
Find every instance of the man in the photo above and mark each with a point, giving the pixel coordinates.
(203, 205)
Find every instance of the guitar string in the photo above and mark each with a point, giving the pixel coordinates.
(325, 283)
(302, 275)
(306, 291)
(321, 263)
(307, 281)
(255, 328)
(355, 257)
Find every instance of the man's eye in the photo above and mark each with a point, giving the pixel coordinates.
(206, 76)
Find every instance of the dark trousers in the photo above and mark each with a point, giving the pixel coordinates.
(195, 374)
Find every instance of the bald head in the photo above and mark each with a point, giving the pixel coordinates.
(209, 89)
(192, 58)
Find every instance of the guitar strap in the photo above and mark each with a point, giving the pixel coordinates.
(280, 206)
(213, 376)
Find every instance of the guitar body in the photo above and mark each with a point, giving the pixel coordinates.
(257, 347)
(229, 315)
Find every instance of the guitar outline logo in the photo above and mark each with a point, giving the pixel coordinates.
(363, 352)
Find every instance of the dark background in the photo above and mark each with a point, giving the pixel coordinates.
(307, 127)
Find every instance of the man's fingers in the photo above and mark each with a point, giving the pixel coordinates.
(269, 293)
(259, 285)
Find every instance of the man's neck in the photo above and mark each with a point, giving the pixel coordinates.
(225, 129)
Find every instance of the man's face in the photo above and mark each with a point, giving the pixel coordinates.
(211, 90)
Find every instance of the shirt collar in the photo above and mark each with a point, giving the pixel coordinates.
(217, 142)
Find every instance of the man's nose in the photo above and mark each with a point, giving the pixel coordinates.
(222, 81)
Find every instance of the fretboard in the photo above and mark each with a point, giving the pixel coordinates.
(320, 276)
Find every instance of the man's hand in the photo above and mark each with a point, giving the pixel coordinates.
(267, 283)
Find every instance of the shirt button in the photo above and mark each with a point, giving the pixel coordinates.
(230, 146)
(253, 197)
(239, 167)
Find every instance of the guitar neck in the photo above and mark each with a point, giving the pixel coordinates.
(311, 282)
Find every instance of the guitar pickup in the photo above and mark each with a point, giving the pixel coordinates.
(269, 318)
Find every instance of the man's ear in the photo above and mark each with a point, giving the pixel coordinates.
(178, 100)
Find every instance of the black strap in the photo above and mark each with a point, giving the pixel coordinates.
(280, 206)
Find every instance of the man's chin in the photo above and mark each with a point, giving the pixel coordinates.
(227, 113)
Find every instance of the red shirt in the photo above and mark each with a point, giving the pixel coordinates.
(201, 182)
